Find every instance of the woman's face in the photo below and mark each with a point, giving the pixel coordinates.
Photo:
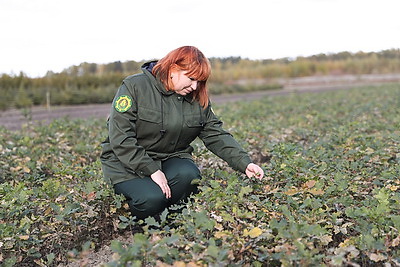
(183, 84)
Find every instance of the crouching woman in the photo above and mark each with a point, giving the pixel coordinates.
(155, 116)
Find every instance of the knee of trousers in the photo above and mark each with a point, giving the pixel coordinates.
(149, 204)
(186, 175)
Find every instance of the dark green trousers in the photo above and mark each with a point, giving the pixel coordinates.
(145, 197)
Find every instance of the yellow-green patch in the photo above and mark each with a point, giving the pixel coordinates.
(123, 103)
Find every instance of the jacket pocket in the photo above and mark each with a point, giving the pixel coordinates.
(194, 124)
(192, 128)
(193, 121)
(149, 115)
(148, 126)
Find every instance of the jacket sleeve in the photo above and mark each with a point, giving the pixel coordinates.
(221, 143)
(122, 136)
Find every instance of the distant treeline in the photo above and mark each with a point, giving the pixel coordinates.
(97, 83)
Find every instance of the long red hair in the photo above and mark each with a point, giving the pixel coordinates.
(190, 59)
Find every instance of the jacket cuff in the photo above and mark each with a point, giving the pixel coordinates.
(149, 169)
(243, 164)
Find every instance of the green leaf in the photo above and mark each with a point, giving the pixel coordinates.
(123, 218)
(212, 249)
(245, 190)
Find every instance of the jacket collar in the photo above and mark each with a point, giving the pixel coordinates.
(147, 68)
(189, 98)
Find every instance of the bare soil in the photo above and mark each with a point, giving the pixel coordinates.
(13, 119)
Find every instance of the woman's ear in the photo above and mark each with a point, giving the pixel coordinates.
(172, 70)
(172, 73)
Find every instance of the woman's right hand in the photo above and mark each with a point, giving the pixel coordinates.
(159, 178)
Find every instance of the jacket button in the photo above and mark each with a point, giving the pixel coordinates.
(172, 143)
(179, 98)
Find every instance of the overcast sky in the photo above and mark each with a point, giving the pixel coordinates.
(42, 35)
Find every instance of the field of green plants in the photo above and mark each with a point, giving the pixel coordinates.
(330, 196)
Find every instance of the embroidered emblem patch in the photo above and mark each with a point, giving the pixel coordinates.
(123, 103)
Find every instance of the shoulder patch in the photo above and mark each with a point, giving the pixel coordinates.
(123, 103)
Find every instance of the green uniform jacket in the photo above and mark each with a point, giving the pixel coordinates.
(149, 124)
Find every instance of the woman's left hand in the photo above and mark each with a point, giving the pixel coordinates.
(254, 170)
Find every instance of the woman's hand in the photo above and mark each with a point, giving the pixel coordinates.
(159, 178)
(254, 170)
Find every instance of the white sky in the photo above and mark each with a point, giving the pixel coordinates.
(41, 35)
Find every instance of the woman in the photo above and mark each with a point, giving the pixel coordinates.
(155, 117)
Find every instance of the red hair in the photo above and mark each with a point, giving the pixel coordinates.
(190, 59)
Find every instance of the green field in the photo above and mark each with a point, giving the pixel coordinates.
(331, 194)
